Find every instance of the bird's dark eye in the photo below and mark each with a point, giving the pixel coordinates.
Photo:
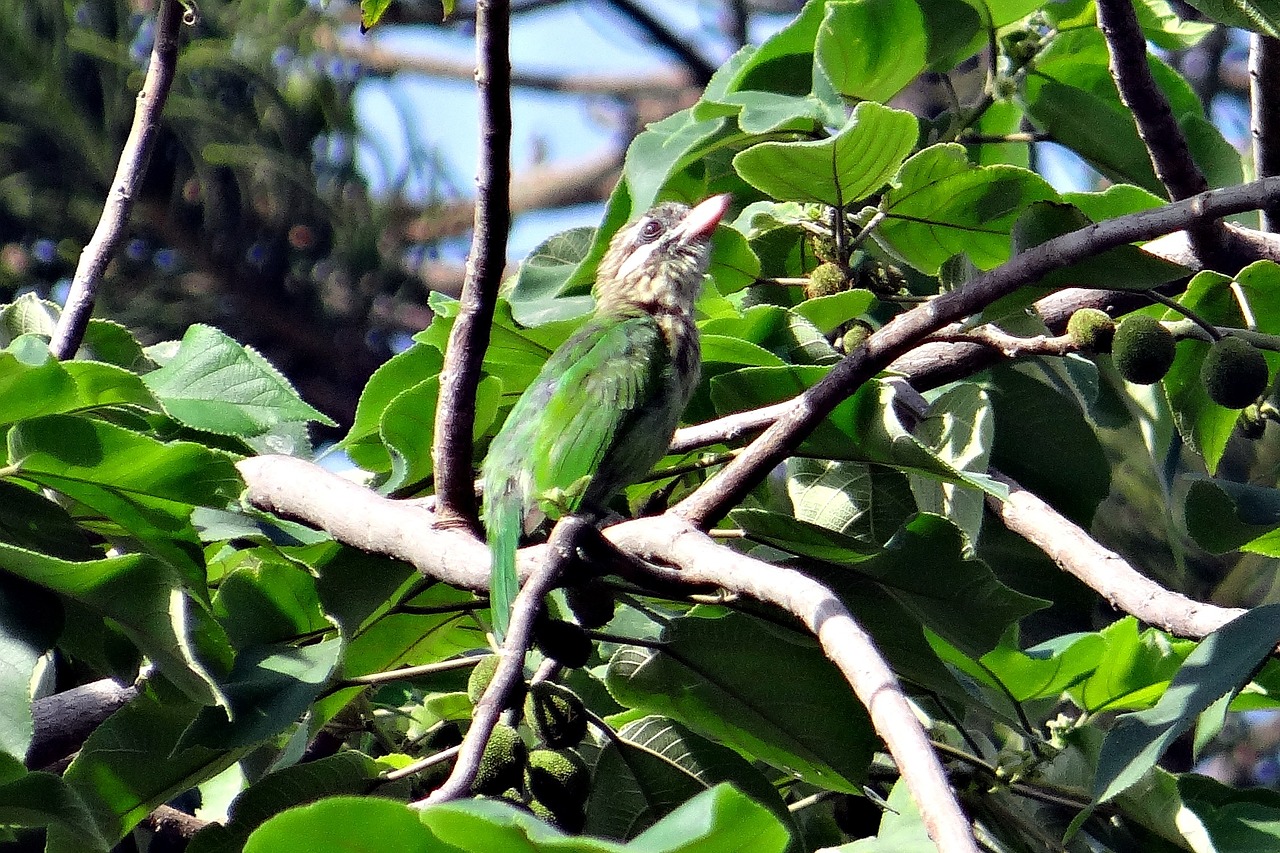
(651, 231)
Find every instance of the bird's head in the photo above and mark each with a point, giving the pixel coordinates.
(656, 263)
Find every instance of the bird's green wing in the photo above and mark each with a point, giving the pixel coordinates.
(591, 395)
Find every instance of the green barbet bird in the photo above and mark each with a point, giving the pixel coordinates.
(602, 410)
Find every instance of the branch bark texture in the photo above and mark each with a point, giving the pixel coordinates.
(69, 332)
(456, 411)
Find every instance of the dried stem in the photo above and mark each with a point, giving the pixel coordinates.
(69, 333)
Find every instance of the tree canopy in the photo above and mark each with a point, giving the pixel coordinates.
(960, 548)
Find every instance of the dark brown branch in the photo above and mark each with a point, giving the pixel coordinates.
(63, 721)
(727, 488)
(106, 238)
(1264, 123)
(525, 610)
(1157, 124)
(456, 411)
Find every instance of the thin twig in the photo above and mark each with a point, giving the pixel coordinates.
(418, 766)
(1264, 122)
(519, 638)
(69, 332)
(407, 673)
(731, 484)
(456, 410)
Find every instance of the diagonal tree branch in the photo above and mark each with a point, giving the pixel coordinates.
(469, 338)
(525, 610)
(1157, 125)
(727, 488)
(698, 66)
(69, 332)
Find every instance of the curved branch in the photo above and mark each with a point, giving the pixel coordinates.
(903, 332)
(69, 332)
(699, 67)
(456, 411)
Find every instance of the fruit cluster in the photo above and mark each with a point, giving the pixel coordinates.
(551, 780)
(1234, 373)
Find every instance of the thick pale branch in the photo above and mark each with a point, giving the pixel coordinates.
(905, 331)
(1104, 571)
(670, 540)
(456, 410)
(69, 332)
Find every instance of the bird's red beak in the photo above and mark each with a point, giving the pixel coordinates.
(704, 218)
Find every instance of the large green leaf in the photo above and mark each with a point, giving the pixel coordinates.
(1134, 669)
(402, 371)
(939, 205)
(871, 49)
(144, 599)
(268, 690)
(347, 773)
(1224, 516)
(354, 825)
(214, 384)
(1220, 665)
(30, 621)
(838, 171)
(719, 676)
(46, 800)
(131, 764)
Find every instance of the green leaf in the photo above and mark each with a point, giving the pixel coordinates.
(706, 763)
(542, 276)
(733, 264)
(214, 384)
(1031, 415)
(399, 373)
(268, 690)
(1134, 669)
(871, 49)
(347, 773)
(1223, 516)
(1221, 664)
(408, 427)
(266, 598)
(349, 825)
(940, 205)
(30, 622)
(144, 599)
(130, 765)
(923, 568)
(868, 502)
(718, 676)
(802, 538)
(719, 819)
(32, 382)
(45, 800)
(1166, 29)
(829, 313)
(958, 429)
(838, 171)
(633, 787)
(1259, 17)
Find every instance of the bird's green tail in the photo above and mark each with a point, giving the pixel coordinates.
(502, 522)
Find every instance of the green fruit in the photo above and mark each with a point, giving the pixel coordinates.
(556, 714)
(502, 764)
(557, 778)
(1143, 349)
(1091, 329)
(481, 675)
(827, 279)
(1234, 373)
(591, 603)
(566, 642)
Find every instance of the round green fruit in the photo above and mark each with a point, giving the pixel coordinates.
(825, 280)
(502, 764)
(1234, 373)
(1091, 329)
(557, 778)
(556, 714)
(1143, 349)
(566, 642)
